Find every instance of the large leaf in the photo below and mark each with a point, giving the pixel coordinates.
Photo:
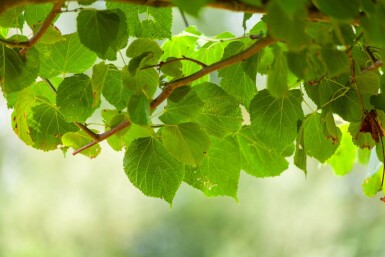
(151, 169)
(75, 98)
(36, 13)
(342, 9)
(258, 159)
(277, 78)
(221, 114)
(184, 110)
(67, 56)
(103, 31)
(187, 142)
(219, 172)
(139, 110)
(17, 71)
(274, 120)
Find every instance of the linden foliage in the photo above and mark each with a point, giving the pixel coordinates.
(319, 71)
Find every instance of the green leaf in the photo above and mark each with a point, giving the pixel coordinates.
(372, 183)
(99, 74)
(16, 71)
(239, 80)
(143, 80)
(341, 10)
(349, 107)
(337, 62)
(368, 82)
(103, 31)
(187, 142)
(316, 143)
(12, 18)
(184, 110)
(146, 22)
(277, 79)
(173, 69)
(221, 114)
(139, 110)
(289, 26)
(219, 172)
(79, 139)
(307, 64)
(75, 98)
(274, 120)
(258, 159)
(36, 13)
(48, 126)
(344, 158)
(152, 170)
(115, 92)
(325, 92)
(67, 56)
(145, 45)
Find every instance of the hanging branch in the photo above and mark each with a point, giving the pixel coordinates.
(171, 86)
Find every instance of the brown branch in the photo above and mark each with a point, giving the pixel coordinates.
(230, 5)
(184, 58)
(44, 26)
(171, 86)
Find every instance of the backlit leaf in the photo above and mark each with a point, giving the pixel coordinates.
(152, 170)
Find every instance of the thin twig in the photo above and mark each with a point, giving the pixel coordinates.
(184, 18)
(184, 58)
(171, 86)
(44, 26)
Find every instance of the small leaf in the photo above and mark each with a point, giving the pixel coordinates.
(75, 98)
(139, 110)
(144, 45)
(99, 74)
(219, 172)
(152, 170)
(187, 142)
(79, 139)
(12, 18)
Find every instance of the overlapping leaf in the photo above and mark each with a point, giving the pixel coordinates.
(274, 120)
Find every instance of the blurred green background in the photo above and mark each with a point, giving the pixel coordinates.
(73, 206)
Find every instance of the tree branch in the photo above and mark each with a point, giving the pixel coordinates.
(231, 5)
(171, 86)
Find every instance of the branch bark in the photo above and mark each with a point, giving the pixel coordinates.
(231, 5)
(171, 86)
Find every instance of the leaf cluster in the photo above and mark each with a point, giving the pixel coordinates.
(157, 96)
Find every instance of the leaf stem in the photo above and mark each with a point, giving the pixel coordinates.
(171, 86)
